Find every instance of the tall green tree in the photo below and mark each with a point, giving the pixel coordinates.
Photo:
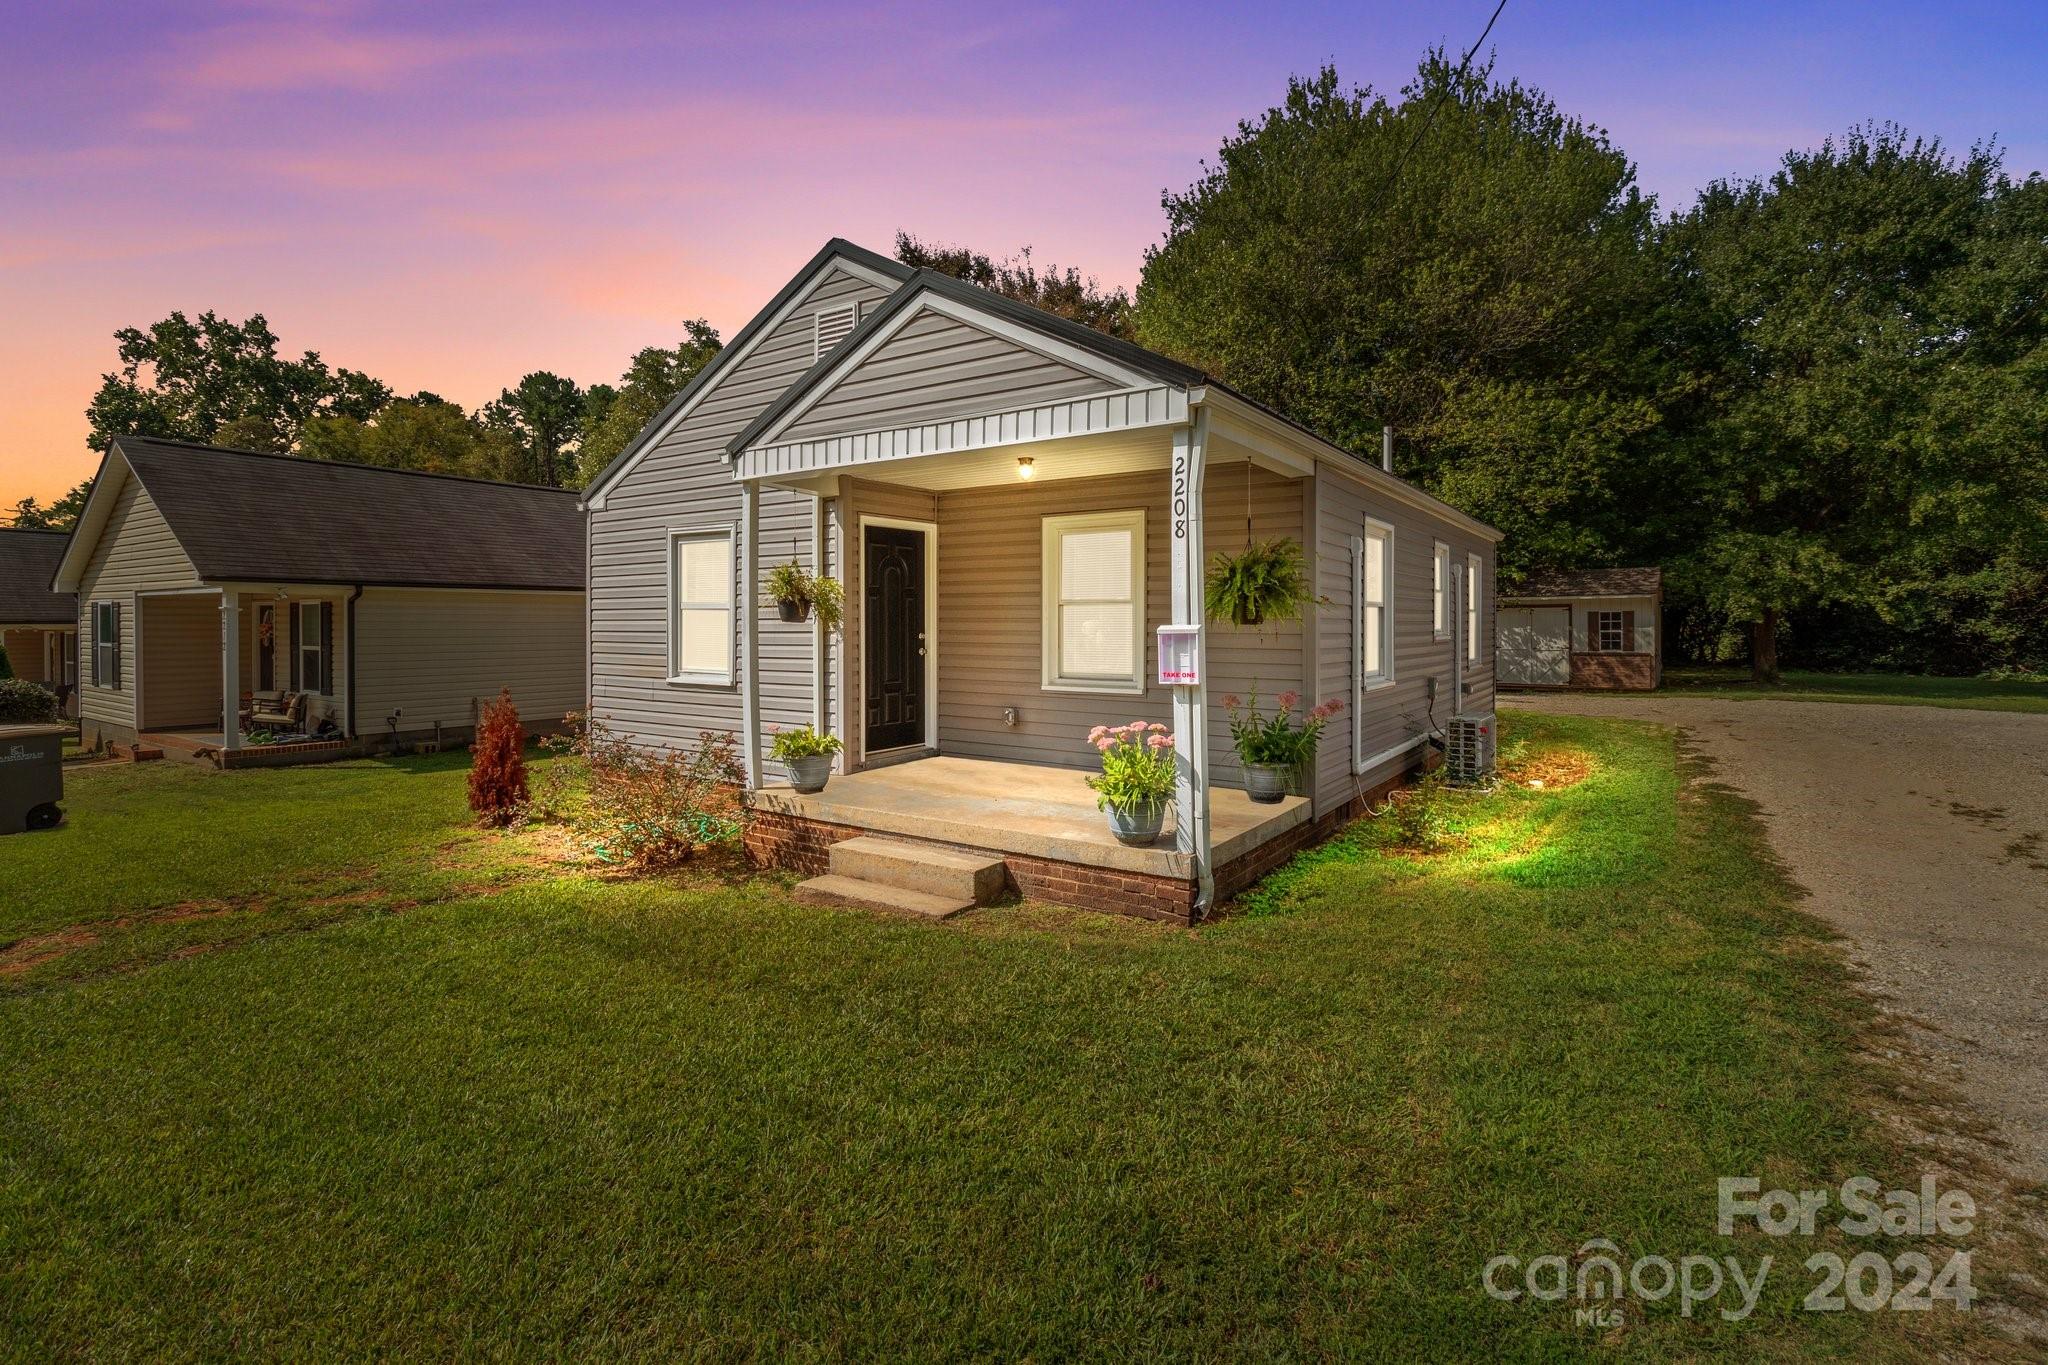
(656, 375)
(545, 413)
(1068, 292)
(223, 381)
(1867, 447)
(423, 433)
(1462, 262)
(60, 515)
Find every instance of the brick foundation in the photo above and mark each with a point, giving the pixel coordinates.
(804, 846)
(1614, 672)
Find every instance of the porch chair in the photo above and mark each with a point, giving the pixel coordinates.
(287, 712)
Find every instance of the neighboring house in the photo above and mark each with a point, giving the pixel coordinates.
(393, 602)
(1015, 504)
(38, 627)
(1583, 628)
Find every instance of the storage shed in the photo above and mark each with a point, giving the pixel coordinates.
(1592, 629)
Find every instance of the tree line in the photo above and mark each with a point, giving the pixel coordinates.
(1817, 397)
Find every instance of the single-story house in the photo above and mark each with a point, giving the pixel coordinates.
(321, 608)
(1015, 505)
(37, 626)
(1583, 628)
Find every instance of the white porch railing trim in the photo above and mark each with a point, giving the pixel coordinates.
(1156, 405)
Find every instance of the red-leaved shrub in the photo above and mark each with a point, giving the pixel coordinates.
(497, 778)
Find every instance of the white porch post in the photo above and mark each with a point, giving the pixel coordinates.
(230, 669)
(750, 631)
(820, 637)
(1191, 704)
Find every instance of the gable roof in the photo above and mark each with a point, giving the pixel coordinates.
(28, 561)
(1125, 355)
(731, 353)
(1588, 583)
(243, 515)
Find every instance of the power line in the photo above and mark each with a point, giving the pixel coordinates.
(1430, 122)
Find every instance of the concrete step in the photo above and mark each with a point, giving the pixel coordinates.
(837, 890)
(954, 875)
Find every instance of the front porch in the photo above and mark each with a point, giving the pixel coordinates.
(1040, 820)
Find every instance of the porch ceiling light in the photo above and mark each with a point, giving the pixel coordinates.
(1023, 466)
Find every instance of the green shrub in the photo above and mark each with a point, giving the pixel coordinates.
(1417, 816)
(23, 702)
(6, 665)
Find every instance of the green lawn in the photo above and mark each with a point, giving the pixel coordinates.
(397, 1087)
(1899, 689)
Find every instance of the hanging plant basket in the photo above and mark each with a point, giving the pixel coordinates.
(1267, 581)
(797, 593)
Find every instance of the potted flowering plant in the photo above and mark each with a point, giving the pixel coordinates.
(797, 592)
(1275, 748)
(1137, 779)
(805, 755)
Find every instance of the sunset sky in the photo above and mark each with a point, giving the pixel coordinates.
(450, 195)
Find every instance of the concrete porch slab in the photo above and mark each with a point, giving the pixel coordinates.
(1021, 808)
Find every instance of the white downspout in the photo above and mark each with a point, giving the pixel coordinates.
(750, 632)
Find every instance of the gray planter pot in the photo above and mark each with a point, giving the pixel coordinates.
(809, 774)
(1136, 827)
(1266, 783)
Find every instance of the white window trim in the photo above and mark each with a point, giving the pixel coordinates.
(1440, 605)
(1051, 528)
(1473, 569)
(1372, 682)
(105, 679)
(1593, 644)
(306, 615)
(729, 532)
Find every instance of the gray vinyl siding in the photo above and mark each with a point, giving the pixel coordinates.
(433, 655)
(181, 677)
(1402, 708)
(934, 369)
(684, 483)
(136, 552)
(991, 565)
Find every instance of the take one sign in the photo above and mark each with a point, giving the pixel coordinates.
(1180, 656)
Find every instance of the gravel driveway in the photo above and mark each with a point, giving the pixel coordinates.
(1922, 834)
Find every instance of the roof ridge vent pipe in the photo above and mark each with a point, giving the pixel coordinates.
(1387, 449)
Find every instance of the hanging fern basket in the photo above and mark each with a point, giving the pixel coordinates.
(1267, 581)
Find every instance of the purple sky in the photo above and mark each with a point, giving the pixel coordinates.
(450, 195)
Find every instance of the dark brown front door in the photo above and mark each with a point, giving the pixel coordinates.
(893, 636)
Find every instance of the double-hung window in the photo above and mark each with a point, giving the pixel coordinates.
(106, 645)
(1094, 602)
(1373, 616)
(1472, 607)
(311, 637)
(700, 606)
(1440, 591)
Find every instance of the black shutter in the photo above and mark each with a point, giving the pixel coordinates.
(293, 611)
(327, 649)
(114, 650)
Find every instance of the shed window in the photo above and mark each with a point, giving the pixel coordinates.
(1472, 587)
(1610, 635)
(1094, 602)
(106, 645)
(700, 590)
(1440, 569)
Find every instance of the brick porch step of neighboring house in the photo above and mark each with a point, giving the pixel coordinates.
(918, 879)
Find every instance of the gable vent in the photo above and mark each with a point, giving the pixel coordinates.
(829, 327)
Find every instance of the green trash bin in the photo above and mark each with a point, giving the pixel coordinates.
(31, 776)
